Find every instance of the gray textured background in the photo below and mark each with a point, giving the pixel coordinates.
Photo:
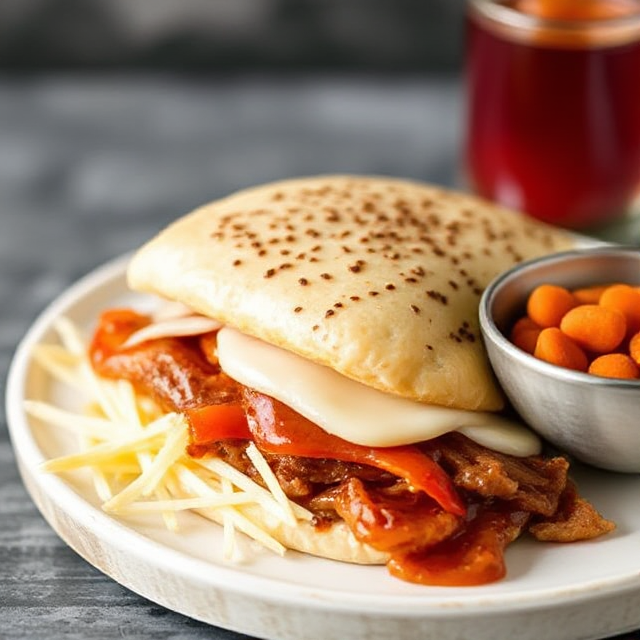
(116, 116)
(231, 34)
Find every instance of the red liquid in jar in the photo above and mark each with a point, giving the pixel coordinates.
(554, 130)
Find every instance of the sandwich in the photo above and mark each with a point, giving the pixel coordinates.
(330, 323)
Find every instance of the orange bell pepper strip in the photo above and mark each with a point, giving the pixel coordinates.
(276, 428)
(216, 422)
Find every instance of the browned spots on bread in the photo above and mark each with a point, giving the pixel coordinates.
(333, 267)
(411, 231)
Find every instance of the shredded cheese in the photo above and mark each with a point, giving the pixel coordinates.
(263, 497)
(197, 483)
(172, 450)
(108, 450)
(230, 547)
(136, 454)
(60, 364)
(185, 504)
(80, 425)
(272, 482)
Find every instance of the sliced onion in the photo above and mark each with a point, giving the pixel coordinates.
(182, 326)
(170, 309)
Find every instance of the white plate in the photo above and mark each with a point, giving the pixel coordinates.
(566, 592)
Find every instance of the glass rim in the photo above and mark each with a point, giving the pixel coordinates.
(518, 25)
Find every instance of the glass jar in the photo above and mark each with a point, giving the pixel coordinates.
(553, 111)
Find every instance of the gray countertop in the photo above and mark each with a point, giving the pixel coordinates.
(90, 167)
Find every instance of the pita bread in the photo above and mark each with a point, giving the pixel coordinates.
(378, 278)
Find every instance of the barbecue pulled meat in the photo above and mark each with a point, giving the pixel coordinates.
(505, 495)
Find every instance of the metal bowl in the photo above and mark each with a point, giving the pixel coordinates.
(597, 420)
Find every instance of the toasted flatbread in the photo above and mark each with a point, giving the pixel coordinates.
(378, 278)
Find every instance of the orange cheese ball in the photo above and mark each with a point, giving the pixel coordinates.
(590, 295)
(524, 334)
(615, 365)
(548, 304)
(527, 340)
(634, 348)
(595, 328)
(625, 299)
(555, 347)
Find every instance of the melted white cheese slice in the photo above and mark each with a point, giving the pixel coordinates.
(353, 411)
